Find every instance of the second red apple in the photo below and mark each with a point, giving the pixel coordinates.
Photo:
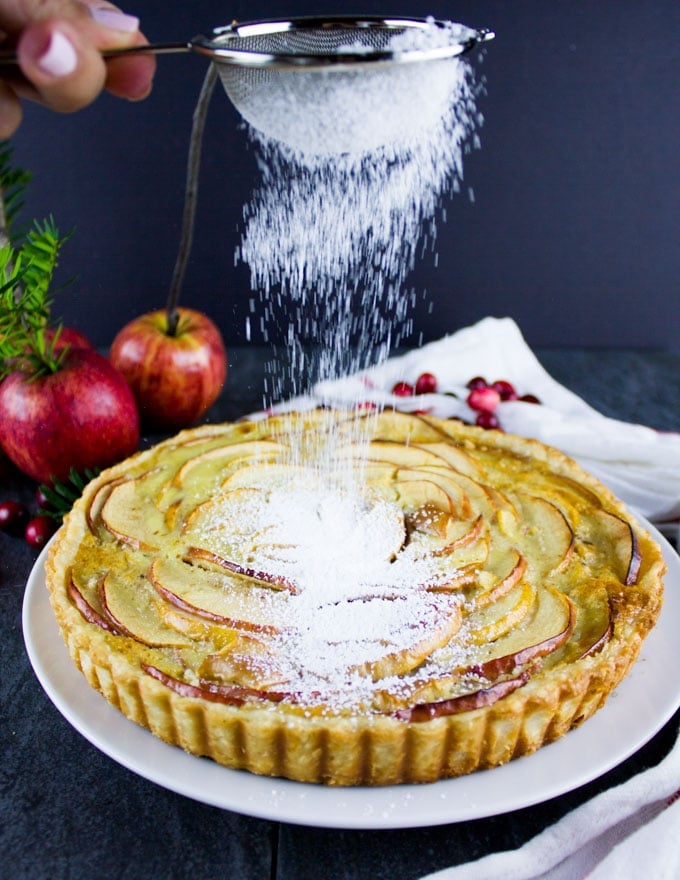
(175, 378)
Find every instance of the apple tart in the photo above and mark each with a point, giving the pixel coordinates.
(353, 598)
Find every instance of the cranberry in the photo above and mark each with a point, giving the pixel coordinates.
(13, 515)
(426, 383)
(477, 382)
(529, 398)
(365, 405)
(505, 389)
(39, 530)
(403, 389)
(41, 499)
(483, 399)
(487, 420)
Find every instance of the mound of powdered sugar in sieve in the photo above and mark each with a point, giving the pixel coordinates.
(353, 107)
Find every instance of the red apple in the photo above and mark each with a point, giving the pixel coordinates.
(175, 378)
(83, 416)
(65, 337)
(69, 336)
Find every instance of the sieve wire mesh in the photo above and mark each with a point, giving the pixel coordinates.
(337, 86)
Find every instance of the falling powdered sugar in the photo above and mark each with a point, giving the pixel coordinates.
(331, 239)
(348, 202)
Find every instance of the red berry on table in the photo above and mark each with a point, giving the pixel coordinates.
(487, 420)
(529, 398)
(483, 399)
(402, 389)
(426, 383)
(40, 498)
(13, 514)
(505, 389)
(39, 530)
(477, 382)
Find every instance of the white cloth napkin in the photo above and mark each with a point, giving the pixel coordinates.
(640, 465)
(626, 833)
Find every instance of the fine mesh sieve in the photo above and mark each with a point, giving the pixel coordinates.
(342, 84)
(327, 84)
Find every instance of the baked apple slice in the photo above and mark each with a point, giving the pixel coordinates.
(552, 624)
(96, 503)
(393, 452)
(593, 625)
(450, 496)
(414, 492)
(230, 695)
(219, 599)
(610, 541)
(97, 616)
(258, 576)
(437, 533)
(207, 467)
(131, 518)
(445, 621)
(399, 427)
(512, 566)
(131, 604)
(548, 628)
(476, 699)
(492, 621)
(254, 473)
(548, 533)
(247, 661)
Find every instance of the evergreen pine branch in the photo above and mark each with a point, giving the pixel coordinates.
(27, 267)
(41, 251)
(61, 496)
(13, 183)
(25, 301)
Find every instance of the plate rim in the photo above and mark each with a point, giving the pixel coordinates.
(475, 796)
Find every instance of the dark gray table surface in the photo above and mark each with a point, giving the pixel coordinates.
(69, 811)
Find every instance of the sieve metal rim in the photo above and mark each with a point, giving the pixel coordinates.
(220, 44)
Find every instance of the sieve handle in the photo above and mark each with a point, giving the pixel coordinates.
(8, 56)
(149, 49)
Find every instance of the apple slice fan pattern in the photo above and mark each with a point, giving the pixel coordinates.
(353, 597)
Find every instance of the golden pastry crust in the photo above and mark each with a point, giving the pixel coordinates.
(440, 599)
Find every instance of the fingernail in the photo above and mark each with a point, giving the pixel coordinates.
(116, 20)
(59, 58)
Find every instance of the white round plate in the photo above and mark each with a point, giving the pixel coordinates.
(638, 709)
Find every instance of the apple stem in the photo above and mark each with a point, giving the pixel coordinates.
(190, 199)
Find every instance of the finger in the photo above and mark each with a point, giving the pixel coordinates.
(47, 61)
(130, 77)
(63, 67)
(64, 70)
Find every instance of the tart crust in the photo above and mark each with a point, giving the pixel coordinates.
(506, 526)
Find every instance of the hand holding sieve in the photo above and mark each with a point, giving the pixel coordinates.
(294, 79)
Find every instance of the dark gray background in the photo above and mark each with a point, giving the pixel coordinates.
(574, 231)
